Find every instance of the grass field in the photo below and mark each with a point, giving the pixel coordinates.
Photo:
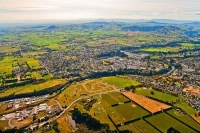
(157, 95)
(129, 112)
(163, 122)
(184, 106)
(187, 45)
(155, 57)
(33, 63)
(119, 97)
(140, 124)
(120, 82)
(116, 117)
(185, 118)
(32, 87)
(71, 93)
(6, 65)
(129, 127)
(101, 115)
(109, 99)
(164, 49)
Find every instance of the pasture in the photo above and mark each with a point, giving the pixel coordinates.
(33, 63)
(120, 82)
(6, 65)
(185, 118)
(157, 95)
(161, 49)
(109, 99)
(32, 87)
(130, 111)
(163, 122)
(119, 97)
(140, 124)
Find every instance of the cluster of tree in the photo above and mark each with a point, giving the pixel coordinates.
(15, 84)
(87, 119)
(119, 72)
(55, 127)
(112, 54)
(197, 114)
(89, 104)
(128, 88)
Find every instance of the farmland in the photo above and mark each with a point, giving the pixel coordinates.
(149, 104)
(32, 87)
(129, 76)
(158, 95)
(184, 118)
(120, 82)
(166, 122)
(130, 111)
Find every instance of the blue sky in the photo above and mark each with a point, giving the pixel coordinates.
(63, 10)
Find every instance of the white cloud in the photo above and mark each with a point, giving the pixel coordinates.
(21, 10)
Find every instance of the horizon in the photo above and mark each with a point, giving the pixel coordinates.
(36, 11)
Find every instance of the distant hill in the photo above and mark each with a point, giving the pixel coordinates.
(37, 27)
(52, 27)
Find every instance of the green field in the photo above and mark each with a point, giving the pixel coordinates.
(109, 99)
(119, 97)
(163, 122)
(157, 95)
(6, 65)
(33, 63)
(185, 107)
(190, 45)
(32, 87)
(185, 118)
(129, 127)
(130, 113)
(164, 49)
(101, 115)
(155, 57)
(120, 82)
(140, 124)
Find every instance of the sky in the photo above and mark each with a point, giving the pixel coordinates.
(68, 10)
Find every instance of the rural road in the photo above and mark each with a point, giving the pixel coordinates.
(55, 118)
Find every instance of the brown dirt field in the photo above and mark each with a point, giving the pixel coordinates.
(25, 121)
(192, 90)
(51, 103)
(149, 104)
(133, 105)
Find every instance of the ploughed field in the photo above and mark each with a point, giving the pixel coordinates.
(149, 104)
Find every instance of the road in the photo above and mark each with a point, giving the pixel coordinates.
(68, 107)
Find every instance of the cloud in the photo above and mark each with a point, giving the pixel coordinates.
(19, 10)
